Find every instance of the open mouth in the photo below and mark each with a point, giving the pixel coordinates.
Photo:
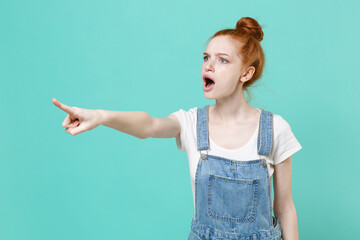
(209, 82)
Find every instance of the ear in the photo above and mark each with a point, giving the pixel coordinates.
(247, 75)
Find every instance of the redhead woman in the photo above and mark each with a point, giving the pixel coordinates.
(234, 150)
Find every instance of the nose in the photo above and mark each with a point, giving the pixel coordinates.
(209, 66)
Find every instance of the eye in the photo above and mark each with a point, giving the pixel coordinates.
(205, 57)
(223, 59)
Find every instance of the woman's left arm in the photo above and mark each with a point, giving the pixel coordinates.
(284, 208)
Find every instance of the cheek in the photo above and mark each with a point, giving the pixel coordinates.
(227, 85)
(228, 79)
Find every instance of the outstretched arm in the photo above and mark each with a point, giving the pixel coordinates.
(140, 124)
(136, 123)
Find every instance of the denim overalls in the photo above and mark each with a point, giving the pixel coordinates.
(233, 198)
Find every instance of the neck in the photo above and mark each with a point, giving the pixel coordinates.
(232, 109)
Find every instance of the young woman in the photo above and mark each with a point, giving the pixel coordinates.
(233, 149)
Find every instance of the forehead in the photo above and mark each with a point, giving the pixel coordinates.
(223, 44)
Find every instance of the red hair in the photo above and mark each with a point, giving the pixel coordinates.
(249, 34)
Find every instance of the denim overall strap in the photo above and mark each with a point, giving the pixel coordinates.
(265, 135)
(203, 130)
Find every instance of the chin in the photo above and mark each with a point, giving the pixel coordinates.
(209, 97)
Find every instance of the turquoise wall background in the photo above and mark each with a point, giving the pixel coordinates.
(147, 56)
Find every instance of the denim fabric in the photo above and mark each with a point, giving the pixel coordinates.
(232, 198)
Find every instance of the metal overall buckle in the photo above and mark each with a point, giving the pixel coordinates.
(263, 162)
(204, 156)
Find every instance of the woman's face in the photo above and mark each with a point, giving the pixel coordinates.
(223, 65)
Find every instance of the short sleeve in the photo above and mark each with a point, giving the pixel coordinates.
(180, 141)
(285, 142)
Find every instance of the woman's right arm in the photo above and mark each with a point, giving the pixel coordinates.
(140, 124)
(136, 123)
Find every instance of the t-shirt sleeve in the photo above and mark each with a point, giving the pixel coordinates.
(180, 141)
(285, 142)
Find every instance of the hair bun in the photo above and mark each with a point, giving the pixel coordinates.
(250, 26)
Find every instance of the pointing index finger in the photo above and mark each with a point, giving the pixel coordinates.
(62, 106)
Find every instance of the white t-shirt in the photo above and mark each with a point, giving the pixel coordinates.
(284, 144)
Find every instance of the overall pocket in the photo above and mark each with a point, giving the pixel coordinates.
(231, 199)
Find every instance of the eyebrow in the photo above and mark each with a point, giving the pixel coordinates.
(205, 53)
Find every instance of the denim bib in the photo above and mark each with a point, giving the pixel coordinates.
(233, 198)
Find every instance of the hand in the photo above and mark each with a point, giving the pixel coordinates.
(78, 120)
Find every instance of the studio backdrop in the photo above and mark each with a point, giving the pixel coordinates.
(147, 56)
